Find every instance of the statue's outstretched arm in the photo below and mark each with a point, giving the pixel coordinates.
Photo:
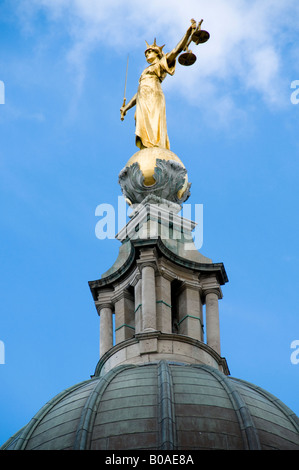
(124, 109)
(172, 55)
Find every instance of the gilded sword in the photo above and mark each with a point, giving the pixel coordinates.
(124, 102)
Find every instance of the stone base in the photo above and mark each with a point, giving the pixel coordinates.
(158, 218)
(154, 346)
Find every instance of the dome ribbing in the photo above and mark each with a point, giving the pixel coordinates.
(162, 405)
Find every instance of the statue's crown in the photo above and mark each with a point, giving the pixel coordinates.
(154, 47)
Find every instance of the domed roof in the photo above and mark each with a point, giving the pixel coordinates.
(162, 405)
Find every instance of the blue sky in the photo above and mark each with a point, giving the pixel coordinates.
(62, 145)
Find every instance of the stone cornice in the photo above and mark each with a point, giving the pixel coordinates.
(136, 245)
(207, 268)
(108, 280)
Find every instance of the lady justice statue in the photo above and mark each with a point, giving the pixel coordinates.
(150, 116)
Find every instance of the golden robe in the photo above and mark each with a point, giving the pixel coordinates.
(150, 116)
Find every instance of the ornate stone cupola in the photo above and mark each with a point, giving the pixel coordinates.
(159, 301)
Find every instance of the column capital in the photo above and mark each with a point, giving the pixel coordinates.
(100, 306)
(210, 285)
(211, 290)
(144, 264)
(148, 257)
(104, 300)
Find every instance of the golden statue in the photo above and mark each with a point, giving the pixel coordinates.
(150, 115)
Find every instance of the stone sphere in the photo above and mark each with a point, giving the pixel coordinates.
(147, 158)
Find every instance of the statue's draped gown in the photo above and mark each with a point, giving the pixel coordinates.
(150, 116)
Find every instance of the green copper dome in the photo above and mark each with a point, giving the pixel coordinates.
(163, 405)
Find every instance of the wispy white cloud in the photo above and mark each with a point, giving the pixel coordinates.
(246, 48)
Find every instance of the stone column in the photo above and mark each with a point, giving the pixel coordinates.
(138, 306)
(163, 302)
(104, 306)
(106, 327)
(124, 316)
(149, 320)
(190, 311)
(147, 268)
(212, 319)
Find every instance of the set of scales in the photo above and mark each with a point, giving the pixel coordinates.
(198, 37)
(187, 58)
